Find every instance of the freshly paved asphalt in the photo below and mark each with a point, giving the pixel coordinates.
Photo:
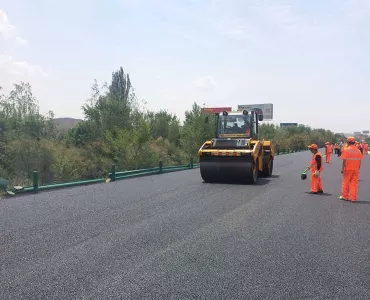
(173, 237)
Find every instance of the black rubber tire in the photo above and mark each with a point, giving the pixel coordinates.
(268, 166)
(245, 173)
(206, 178)
(252, 175)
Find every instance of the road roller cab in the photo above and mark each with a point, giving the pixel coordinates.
(237, 153)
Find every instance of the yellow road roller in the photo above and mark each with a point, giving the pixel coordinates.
(237, 153)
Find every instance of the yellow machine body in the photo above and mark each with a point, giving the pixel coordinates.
(236, 156)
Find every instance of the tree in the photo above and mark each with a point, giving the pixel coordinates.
(160, 123)
(196, 130)
(116, 129)
(20, 114)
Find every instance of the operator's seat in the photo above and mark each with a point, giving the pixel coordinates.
(237, 129)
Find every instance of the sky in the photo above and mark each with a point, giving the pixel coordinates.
(310, 58)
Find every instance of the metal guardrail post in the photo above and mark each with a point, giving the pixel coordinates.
(3, 184)
(113, 171)
(35, 177)
(114, 175)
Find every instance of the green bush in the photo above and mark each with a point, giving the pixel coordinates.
(115, 130)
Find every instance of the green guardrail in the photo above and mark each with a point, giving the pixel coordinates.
(278, 152)
(112, 176)
(3, 184)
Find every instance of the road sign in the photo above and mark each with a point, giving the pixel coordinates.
(366, 132)
(267, 109)
(212, 110)
(356, 133)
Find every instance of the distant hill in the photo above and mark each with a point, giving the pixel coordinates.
(64, 124)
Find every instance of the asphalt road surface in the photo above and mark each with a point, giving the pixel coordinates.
(173, 237)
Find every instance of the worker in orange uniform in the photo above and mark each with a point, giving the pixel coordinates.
(340, 147)
(365, 146)
(360, 147)
(328, 150)
(316, 168)
(344, 146)
(352, 157)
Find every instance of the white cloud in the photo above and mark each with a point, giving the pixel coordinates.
(260, 16)
(8, 30)
(21, 41)
(205, 82)
(358, 11)
(256, 20)
(14, 71)
(235, 29)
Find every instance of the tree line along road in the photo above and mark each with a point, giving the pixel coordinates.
(171, 236)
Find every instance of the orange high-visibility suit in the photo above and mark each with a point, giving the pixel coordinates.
(352, 157)
(366, 148)
(343, 147)
(360, 147)
(316, 165)
(328, 150)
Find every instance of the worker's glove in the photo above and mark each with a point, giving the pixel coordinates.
(317, 173)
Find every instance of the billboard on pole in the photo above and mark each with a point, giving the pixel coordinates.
(286, 125)
(212, 110)
(365, 132)
(267, 109)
